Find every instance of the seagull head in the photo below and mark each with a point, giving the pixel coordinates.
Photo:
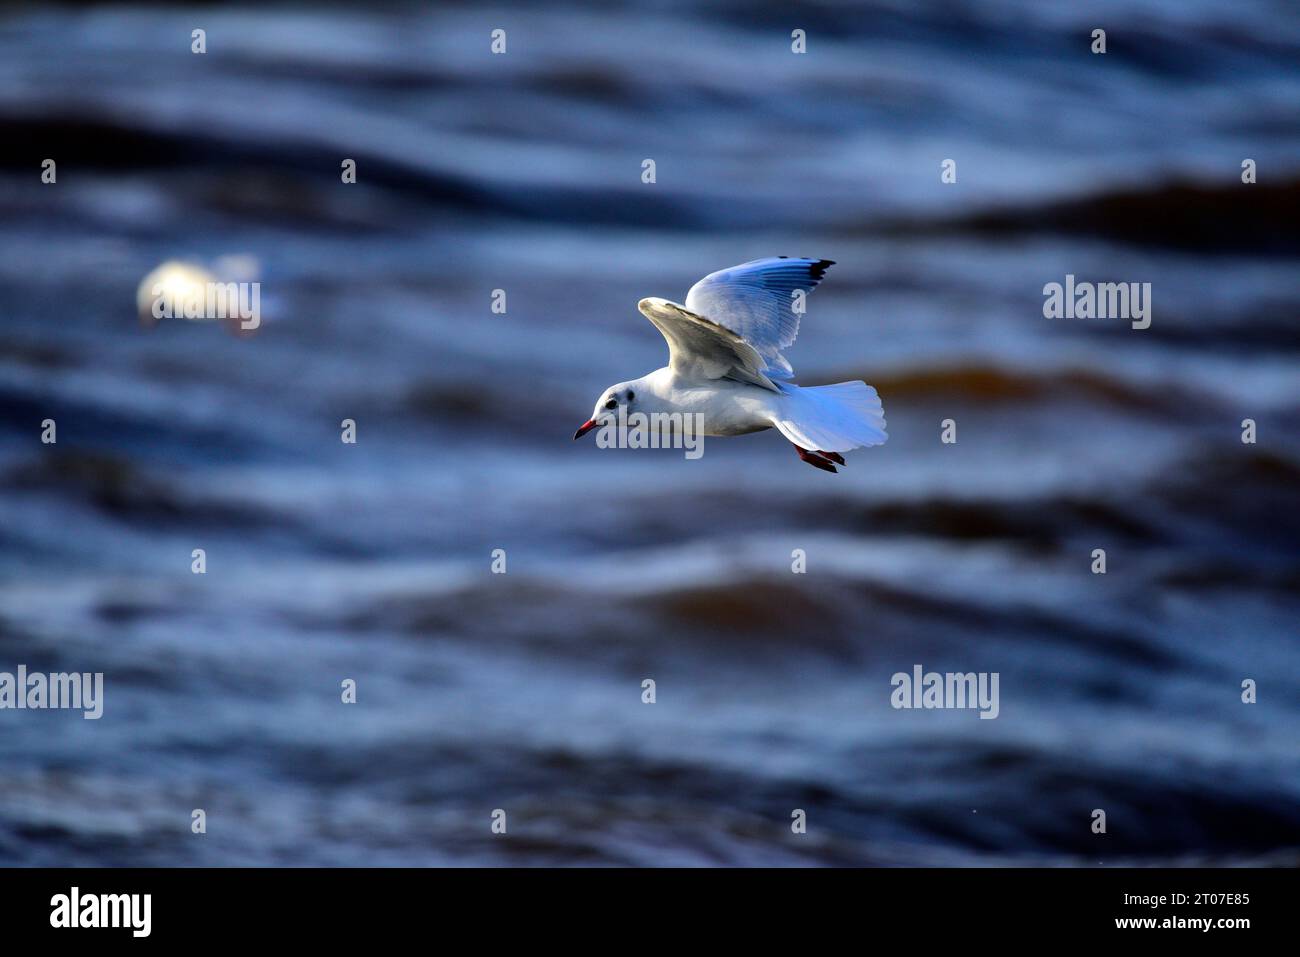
(623, 394)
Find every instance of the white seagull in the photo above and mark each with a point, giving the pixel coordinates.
(725, 362)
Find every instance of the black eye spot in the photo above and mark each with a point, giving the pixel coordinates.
(630, 395)
(611, 404)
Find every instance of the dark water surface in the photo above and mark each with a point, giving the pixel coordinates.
(523, 691)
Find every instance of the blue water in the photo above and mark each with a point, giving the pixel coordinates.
(522, 691)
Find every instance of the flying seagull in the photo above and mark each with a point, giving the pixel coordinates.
(725, 363)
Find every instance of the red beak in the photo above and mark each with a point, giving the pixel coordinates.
(584, 429)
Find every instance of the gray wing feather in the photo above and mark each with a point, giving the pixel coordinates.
(756, 300)
(701, 349)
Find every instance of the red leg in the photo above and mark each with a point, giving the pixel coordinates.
(813, 459)
(833, 456)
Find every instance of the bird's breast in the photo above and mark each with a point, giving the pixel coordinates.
(726, 409)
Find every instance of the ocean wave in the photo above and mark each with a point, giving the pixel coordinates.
(1232, 220)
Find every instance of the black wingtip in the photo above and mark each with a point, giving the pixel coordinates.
(818, 269)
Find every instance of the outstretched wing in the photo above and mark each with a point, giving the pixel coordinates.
(756, 300)
(699, 349)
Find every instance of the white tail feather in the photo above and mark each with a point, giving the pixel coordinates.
(831, 418)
